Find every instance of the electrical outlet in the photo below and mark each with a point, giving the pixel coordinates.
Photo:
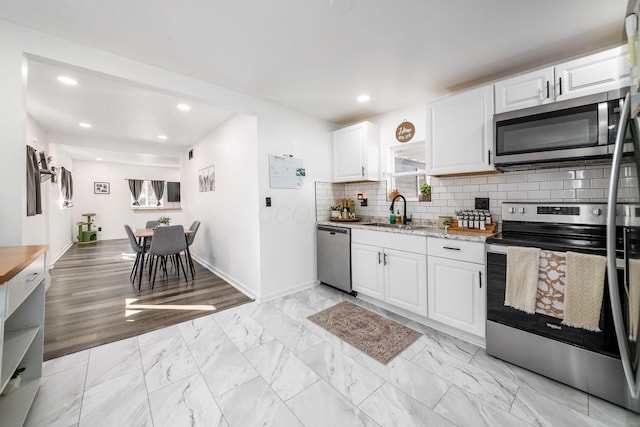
(99, 228)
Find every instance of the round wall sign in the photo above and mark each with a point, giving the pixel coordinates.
(405, 131)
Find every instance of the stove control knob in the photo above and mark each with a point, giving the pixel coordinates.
(597, 211)
(511, 210)
(523, 210)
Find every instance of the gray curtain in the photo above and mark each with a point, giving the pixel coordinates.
(158, 189)
(34, 199)
(66, 187)
(135, 186)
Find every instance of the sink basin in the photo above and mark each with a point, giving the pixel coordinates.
(395, 226)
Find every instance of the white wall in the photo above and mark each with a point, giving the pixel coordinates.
(228, 240)
(61, 232)
(114, 210)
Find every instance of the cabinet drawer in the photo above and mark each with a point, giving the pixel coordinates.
(456, 249)
(20, 287)
(400, 242)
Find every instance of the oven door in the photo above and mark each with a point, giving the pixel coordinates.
(603, 342)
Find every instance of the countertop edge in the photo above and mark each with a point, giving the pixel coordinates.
(428, 232)
(14, 259)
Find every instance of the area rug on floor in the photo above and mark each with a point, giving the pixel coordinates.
(380, 338)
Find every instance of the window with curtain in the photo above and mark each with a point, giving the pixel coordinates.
(147, 197)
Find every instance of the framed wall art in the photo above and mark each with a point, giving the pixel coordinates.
(207, 179)
(101, 188)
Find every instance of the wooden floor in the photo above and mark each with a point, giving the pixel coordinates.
(91, 300)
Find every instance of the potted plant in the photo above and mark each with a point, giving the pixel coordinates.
(425, 193)
(335, 211)
(458, 213)
(164, 220)
(14, 382)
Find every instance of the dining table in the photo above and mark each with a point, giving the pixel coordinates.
(145, 233)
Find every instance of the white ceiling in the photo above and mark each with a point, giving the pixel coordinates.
(317, 56)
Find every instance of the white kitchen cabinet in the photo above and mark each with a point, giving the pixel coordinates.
(456, 290)
(22, 292)
(390, 267)
(460, 133)
(355, 153)
(592, 74)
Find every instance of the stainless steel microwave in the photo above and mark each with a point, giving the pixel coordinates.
(580, 130)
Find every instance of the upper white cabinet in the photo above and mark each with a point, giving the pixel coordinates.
(355, 151)
(460, 133)
(596, 73)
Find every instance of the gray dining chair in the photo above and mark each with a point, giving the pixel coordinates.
(190, 238)
(137, 248)
(167, 242)
(152, 224)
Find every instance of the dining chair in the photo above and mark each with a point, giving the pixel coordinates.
(152, 224)
(137, 248)
(190, 238)
(167, 241)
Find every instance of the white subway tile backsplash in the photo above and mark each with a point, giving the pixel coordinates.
(488, 187)
(523, 186)
(508, 187)
(583, 194)
(538, 176)
(563, 194)
(600, 183)
(552, 185)
(577, 183)
(478, 180)
(564, 175)
(462, 181)
(471, 188)
(496, 179)
(590, 173)
(541, 195)
(513, 177)
(462, 196)
(517, 195)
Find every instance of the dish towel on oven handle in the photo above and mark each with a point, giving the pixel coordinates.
(584, 287)
(523, 265)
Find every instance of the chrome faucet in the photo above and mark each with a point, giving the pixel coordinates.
(404, 210)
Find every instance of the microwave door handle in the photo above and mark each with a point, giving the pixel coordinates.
(614, 292)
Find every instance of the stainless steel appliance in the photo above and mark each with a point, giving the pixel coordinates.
(581, 130)
(587, 360)
(334, 257)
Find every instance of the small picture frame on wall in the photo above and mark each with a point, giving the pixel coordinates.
(101, 188)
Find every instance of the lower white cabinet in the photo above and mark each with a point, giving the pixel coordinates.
(382, 271)
(456, 291)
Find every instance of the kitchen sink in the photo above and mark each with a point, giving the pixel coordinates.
(396, 226)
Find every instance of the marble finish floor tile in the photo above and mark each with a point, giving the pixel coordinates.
(245, 332)
(314, 299)
(281, 369)
(611, 414)
(294, 308)
(53, 366)
(464, 409)
(166, 362)
(445, 344)
(493, 389)
(59, 398)
(121, 401)
(223, 367)
(350, 378)
(292, 334)
(163, 334)
(389, 406)
(255, 404)
(321, 405)
(542, 411)
(571, 397)
(200, 331)
(185, 403)
(424, 386)
(112, 360)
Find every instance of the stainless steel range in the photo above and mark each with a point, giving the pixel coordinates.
(584, 359)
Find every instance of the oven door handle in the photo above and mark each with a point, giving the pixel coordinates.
(496, 249)
(632, 378)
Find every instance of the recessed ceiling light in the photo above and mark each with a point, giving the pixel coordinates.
(67, 80)
(84, 125)
(98, 159)
(183, 107)
(163, 137)
(364, 98)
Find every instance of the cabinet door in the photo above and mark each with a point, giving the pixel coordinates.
(597, 73)
(366, 270)
(460, 133)
(526, 90)
(348, 161)
(456, 297)
(406, 280)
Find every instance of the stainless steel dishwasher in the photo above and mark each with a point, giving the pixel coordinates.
(334, 257)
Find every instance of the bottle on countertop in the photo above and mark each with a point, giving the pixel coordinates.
(392, 218)
(398, 217)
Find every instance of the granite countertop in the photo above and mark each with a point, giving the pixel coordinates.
(419, 229)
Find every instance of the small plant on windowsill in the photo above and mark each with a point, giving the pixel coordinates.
(425, 193)
(164, 220)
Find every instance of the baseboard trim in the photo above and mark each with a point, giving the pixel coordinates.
(53, 259)
(232, 281)
(289, 291)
